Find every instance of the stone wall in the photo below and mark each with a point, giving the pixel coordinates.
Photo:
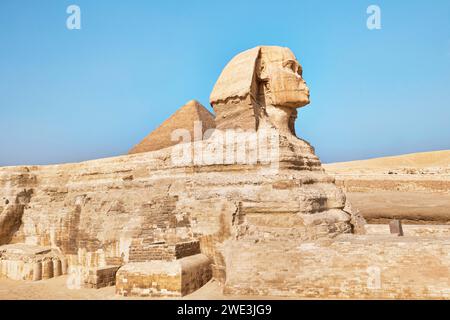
(100, 277)
(140, 251)
(351, 266)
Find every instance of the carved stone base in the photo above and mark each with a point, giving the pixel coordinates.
(28, 262)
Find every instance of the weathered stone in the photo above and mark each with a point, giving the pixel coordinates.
(29, 262)
(348, 267)
(164, 278)
(395, 226)
(99, 277)
(260, 87)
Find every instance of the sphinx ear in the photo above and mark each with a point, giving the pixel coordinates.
(262, 80)
(258, 75)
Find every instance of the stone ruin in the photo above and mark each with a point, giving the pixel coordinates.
(29, 262)
(154, 227)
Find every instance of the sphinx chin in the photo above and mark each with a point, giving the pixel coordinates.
(295, 104)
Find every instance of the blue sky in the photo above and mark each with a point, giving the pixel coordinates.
(71, 95)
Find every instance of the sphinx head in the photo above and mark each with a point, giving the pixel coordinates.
(280, 78)
(265, 84)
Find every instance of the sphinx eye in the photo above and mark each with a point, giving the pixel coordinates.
(291, 65)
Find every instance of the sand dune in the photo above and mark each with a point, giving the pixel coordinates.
(412, 187)
(418, 161)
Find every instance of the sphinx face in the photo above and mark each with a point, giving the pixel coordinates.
(269, 78)
(281, 75)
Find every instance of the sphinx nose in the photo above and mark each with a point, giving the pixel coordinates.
(306, 89)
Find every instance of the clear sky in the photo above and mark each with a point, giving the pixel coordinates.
(71, 95)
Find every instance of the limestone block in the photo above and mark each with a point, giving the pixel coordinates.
(164, 278)
(142, 250)
(99, 277)
(395, 226)
(347, 267)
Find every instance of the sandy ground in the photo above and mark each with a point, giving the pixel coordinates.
(424, 196)
(412, 207)
(422, 160)
(56, 289)
(412, 230)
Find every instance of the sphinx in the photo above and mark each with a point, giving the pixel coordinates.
(152, 226)
(141, 217)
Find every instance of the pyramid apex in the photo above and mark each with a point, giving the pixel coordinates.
(193, 102)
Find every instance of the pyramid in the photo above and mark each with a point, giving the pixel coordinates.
(183, 118)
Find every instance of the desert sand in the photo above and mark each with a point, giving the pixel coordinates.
(56, 289)
(412, 187)
(439, 160)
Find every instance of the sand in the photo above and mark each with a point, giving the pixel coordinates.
(56, 289)
(422, 160)
(411, 207)
(413, 187)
